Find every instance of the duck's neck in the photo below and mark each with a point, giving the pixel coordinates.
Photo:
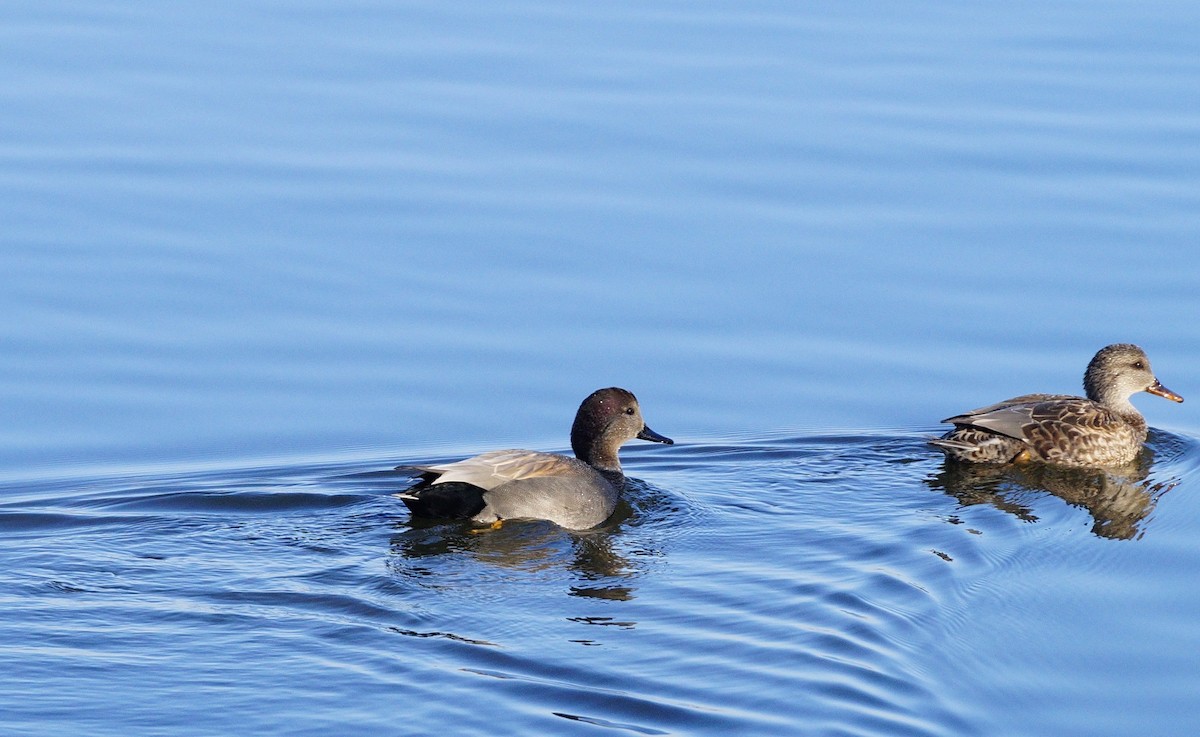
(600, 458)
(605, 463)
(1118, 403)
(593, 446)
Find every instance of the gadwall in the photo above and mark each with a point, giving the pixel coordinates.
(1104, 429)
(576, 493)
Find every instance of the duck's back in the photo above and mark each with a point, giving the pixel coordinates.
(495, 468)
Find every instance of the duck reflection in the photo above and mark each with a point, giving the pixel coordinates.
(1118, 499)
(428, 548)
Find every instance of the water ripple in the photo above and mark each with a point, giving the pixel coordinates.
(750, 584)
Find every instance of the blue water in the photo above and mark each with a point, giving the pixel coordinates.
(254, 255)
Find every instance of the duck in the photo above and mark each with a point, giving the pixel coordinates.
(1098, 430)
(575, 493)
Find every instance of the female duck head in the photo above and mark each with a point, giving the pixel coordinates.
(1119, 371)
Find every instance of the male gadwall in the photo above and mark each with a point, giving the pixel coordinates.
(1104, 429)
(576, 493)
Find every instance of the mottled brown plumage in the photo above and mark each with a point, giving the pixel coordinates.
(1103, 429)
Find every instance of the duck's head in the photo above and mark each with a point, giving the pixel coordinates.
(605, 421)
(1119, 371)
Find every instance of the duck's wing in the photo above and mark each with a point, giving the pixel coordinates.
(1020, 416)
(966, 418)
(1078, 413)
(489, 470)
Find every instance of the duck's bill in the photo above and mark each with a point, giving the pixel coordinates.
(648, 434)
(1161, 391)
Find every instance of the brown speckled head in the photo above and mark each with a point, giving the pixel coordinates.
(1119, 371)
(605, 420)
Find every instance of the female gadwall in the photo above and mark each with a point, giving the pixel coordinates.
(503, 484)
(1104, 429)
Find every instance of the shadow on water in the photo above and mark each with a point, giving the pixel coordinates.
(1119, 500)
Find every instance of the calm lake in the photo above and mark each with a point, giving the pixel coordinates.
(255, 255)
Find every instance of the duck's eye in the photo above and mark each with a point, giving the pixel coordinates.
(1139, 365)
(629, 410)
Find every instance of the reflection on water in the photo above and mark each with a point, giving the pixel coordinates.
(600, 569)
(523, 545)
(1118, 499)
